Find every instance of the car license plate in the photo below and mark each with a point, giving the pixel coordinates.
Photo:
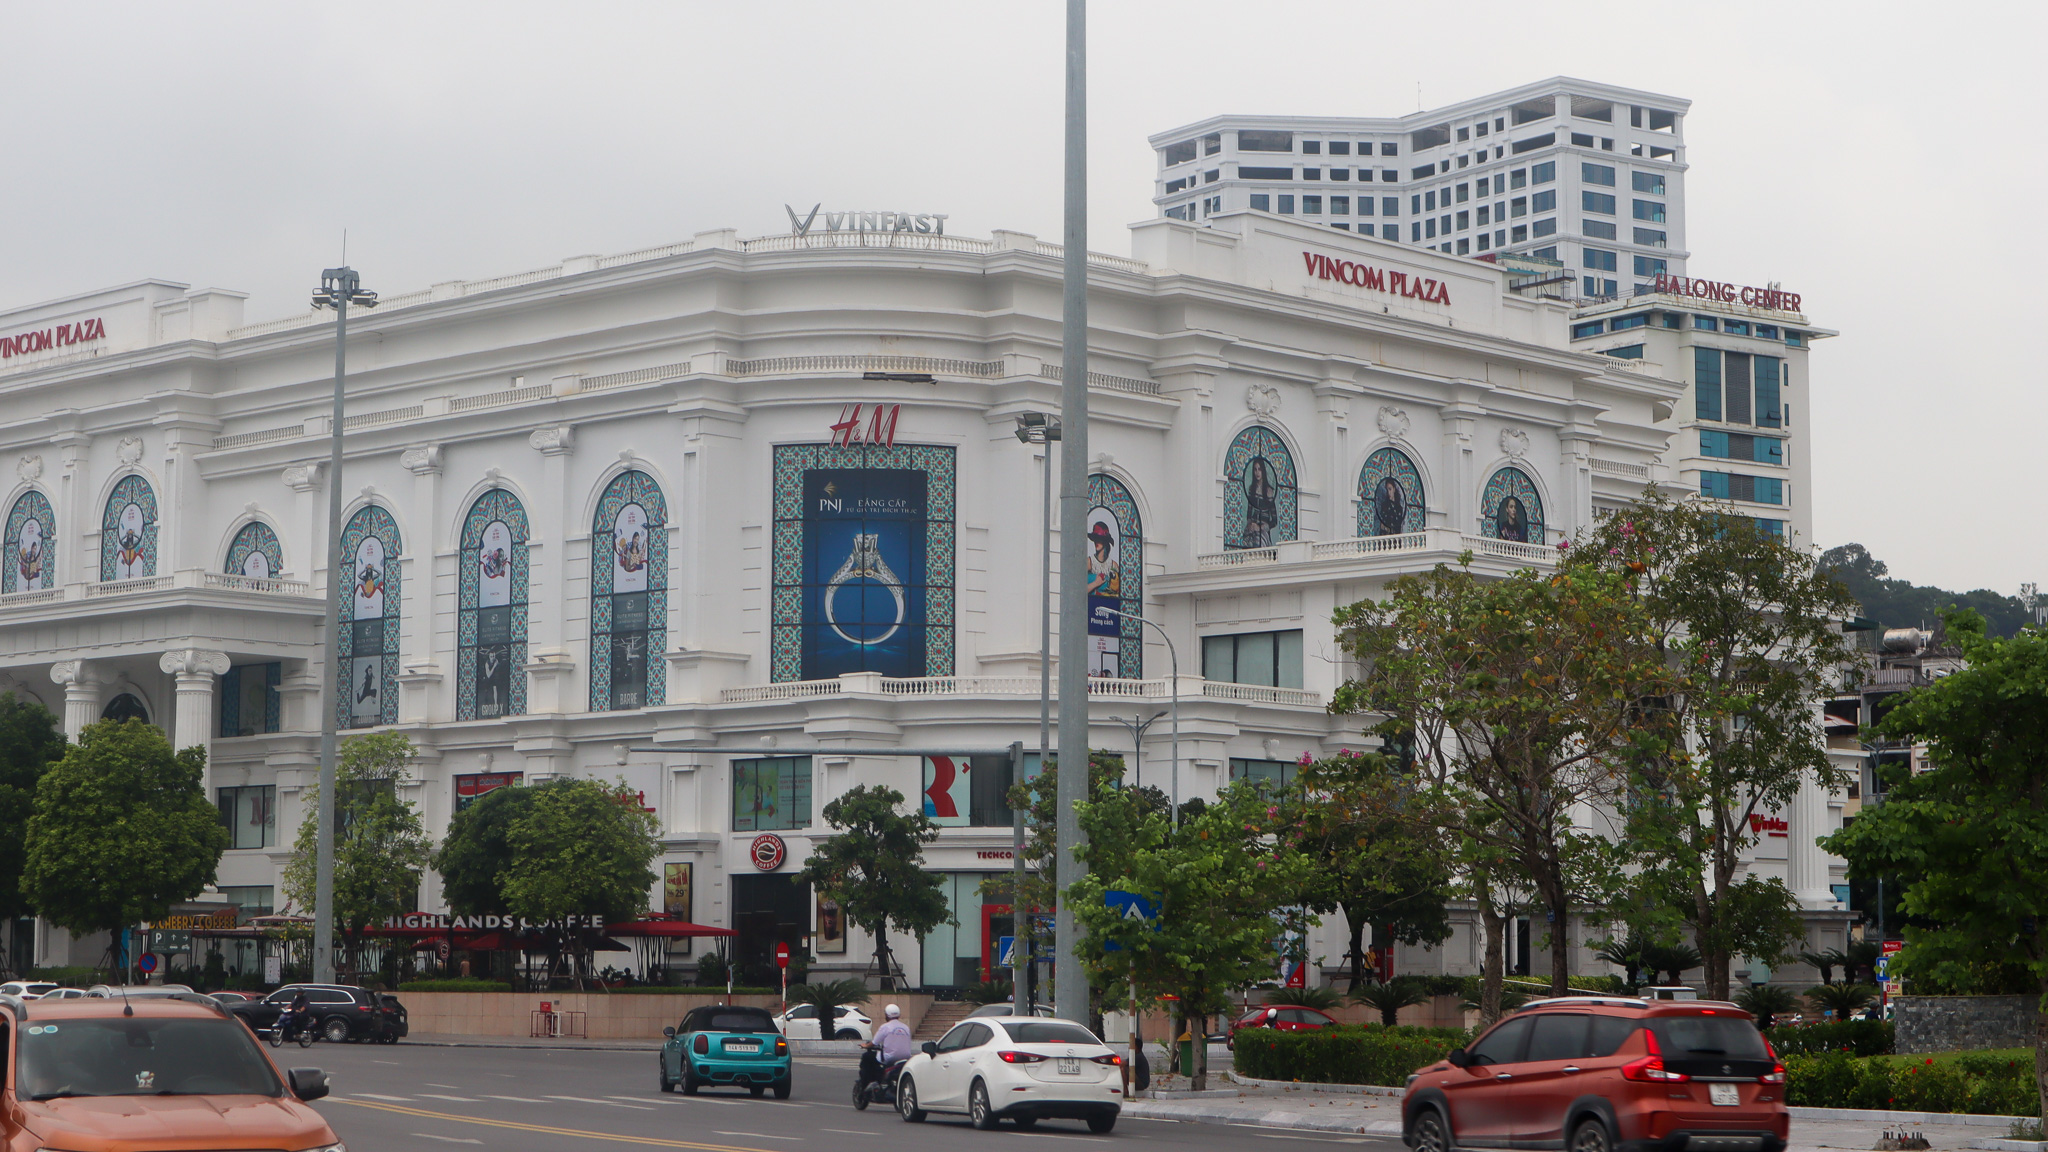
(1070, 1065)
(742, 1046)
(1724, 1094)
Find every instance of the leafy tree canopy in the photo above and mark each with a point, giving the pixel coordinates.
(1896, 603)
(380, 847)
(122, 830)
(873, 867)
(478, 850)
(582, 847)
(30, 741)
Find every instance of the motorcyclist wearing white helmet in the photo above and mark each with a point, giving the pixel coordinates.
(893, 1037)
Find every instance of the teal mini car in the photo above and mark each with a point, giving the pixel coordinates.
(719, 1045)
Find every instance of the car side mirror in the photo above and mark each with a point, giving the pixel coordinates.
(669, 1032)
(308, 1083)
(931, 1048)
(1458, 1057)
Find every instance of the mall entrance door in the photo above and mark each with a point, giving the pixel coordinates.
(766, 911)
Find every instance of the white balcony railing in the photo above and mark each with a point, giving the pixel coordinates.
(190, 578)
(861, 683)
(1438, 540)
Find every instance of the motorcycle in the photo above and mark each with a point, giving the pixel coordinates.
(282, 1030)
(876, 1084)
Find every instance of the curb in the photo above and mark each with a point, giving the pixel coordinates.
(1255, 1117)
(2009, 1145)
(796, 1047)
(1944, 1119)
(1305, 1086)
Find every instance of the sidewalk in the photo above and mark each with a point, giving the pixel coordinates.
(843, 1048)
(1372, 1111)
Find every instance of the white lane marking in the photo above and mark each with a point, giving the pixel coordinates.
(375, 1096)
(606, 1103)
(849, 1131)
(447, 1139)
(514, 1099)
(393, 1062)
(758, 1136)
(456, 1099)
(431, 1084)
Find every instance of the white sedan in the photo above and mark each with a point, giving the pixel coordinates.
(997, 1068)
(801, 1023)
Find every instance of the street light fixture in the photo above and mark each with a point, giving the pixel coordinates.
(339, 288)
(1136, 728)
(1174, 656)
(1041, 429)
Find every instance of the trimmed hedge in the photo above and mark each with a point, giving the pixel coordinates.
(1343, 1055)
(455, 984)
(1856, 1037)
(474, 984)
(71, 977)
(1986, 1085)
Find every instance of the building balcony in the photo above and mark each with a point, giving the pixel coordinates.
(151, 589)
(1316, 561)
(1099, 688)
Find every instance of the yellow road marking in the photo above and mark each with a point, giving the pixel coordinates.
(650, 1141)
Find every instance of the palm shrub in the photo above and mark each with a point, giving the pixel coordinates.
(1389, 998)
(829, 996)
(1841, 999)
(1626, 955)
(1827, 962)
(1321, 998)
(1670, 960)
(987, 992)
(1765, 1001)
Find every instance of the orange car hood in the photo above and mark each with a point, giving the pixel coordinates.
(121, 1123)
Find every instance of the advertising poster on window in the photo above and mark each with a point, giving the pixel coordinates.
(629, 550)
(128, 543)
(947, 793)
(864, 536)
(468, 788)
(256, 564)
(1105, 592)
(771, 795)
(677, 900)
(28, 556)
(830, 939)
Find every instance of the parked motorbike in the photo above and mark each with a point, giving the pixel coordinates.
(876, 1084)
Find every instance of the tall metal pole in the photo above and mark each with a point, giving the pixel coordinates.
(1070, 984)
(1021, 990)
(323, 867)
(1173, 655)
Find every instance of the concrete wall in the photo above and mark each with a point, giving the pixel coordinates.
(607, 1015)
(1963, 1023)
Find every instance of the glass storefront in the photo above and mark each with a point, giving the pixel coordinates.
(960, 953)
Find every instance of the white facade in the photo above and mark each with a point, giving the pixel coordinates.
(1283, 417)
(1591, 175)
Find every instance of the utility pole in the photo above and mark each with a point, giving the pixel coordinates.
(339, 287)
(1070, 984)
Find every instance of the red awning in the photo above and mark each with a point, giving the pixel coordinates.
(666, 927)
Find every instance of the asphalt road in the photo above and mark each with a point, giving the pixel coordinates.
(524, 1100)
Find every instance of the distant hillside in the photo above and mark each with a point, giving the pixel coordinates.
(1902, 604)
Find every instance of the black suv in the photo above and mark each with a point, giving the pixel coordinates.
(340, 1012)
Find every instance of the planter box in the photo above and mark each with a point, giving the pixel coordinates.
(607, 1015)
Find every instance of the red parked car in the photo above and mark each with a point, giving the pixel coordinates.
(1605, 1074)
(1284, 1017)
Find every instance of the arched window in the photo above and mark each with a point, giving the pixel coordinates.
(255, 552)
(30, 561)
(628, 595)
(490, 639)
(1510, 509)
(1116, 579)
(126, 706)
(128, 532)
(1260, 502)
(1389, 495)
(368, 694)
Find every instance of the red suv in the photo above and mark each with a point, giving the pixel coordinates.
(1280, 1017)
(1605, 1074)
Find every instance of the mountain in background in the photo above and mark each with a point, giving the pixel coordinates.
(1903, 604)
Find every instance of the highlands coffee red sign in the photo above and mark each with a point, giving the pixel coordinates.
(1774, 299)
(1378, 280)
(23, 343)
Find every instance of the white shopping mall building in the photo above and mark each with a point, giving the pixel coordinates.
(646, 516)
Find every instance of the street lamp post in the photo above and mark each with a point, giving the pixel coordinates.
(1041, 429)
(1136, 728)
(1174, 656)
(339, 288)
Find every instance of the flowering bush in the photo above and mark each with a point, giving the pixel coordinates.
(1856, 1037)
(1343, 1055)
(1985, 1085)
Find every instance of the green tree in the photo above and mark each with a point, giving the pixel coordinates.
(1374, 859)
(1219, 883)
(1971, 831)
(122, 830)
(1903, 604)
(30, 741)
(1390, 997)
(828, 997)
(478, 849)
(1519, 695)
(873, 868)
(582, 848)
(380, 848)
(1748, 626)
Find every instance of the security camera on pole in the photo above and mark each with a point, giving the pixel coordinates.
(339, 288)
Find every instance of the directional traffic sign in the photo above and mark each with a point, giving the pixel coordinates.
(1130, 906)
(1006, 951)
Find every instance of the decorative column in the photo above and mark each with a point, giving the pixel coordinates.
(81, 694)
(1806, 864)
(305, 533)
(1460, 503)
(550, 671)
(419, 678)
(196, 670)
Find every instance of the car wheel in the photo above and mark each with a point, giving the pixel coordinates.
(335, 1030)
(1429, 1133)
(667, 1085)
(906, 1101)
(1590, 1136)
(788, 1083)
(860, 1096)
(847, 1034)
(1101, 1124)
(690, 1082)
(978, 1111)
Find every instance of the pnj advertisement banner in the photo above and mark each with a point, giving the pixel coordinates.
(864, 572)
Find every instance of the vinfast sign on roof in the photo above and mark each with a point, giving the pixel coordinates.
(1424, 288)
(932, 222)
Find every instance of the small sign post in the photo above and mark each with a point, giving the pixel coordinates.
(782, 962)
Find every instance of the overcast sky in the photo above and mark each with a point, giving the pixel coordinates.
(1884, 159)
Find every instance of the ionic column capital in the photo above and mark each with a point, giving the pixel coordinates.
(182, 662)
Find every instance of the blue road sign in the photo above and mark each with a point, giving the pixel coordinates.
(1006, 949)
(1130, 906)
